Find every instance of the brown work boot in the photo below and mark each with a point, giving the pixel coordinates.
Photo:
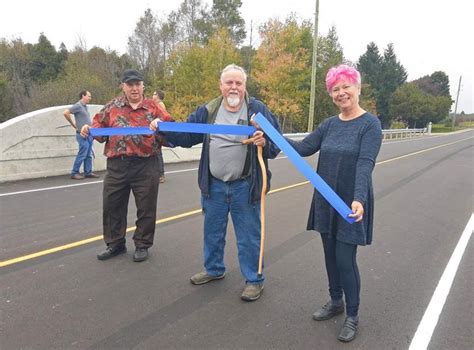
(252, 292)
(203, 277)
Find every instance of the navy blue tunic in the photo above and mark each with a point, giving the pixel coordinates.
(348, 150)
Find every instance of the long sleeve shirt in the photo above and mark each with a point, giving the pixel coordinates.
(347, 154)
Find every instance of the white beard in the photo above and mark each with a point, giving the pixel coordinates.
(233, 100)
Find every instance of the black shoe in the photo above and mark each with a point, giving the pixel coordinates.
(328, 311)
(141, 254)
(91, 176)
(110, 252)
(349, 329)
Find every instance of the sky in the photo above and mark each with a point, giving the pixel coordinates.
(428, 36)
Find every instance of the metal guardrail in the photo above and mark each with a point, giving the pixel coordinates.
(388, 134)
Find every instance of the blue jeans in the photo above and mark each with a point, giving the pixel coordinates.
(233, 197)
(84, 155)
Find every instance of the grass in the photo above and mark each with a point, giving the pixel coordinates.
(439, 128)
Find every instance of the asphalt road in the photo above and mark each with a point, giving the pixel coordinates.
(64, 298)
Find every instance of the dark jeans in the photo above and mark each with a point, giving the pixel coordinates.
(343, 273)
(141, 176)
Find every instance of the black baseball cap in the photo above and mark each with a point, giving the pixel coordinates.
(130, 75)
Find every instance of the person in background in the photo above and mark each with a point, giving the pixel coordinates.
(230, 179)
(348, 145)
(132, 165)
(158, 97)
(81, 118)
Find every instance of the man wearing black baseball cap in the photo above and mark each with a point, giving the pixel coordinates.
(131, 75)
(132, 165)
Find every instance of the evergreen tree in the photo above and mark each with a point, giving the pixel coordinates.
(393, 74)
(226, 14)
(46, 63)
(384, 75)
(330, 54)
(369, 66)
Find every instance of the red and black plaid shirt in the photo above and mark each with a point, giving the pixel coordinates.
(119, 114)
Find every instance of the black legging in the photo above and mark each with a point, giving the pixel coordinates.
(343, 273)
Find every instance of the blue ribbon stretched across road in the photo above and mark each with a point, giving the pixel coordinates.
(303, 166)
(177, 127)
(327, 192)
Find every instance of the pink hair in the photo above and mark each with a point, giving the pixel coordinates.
(341, 72)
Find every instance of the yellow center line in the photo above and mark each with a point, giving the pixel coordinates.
(190, 213)
(88, 240)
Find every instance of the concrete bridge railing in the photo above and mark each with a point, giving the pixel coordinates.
(42, 143)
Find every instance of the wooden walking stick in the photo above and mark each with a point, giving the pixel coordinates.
(262, 204)
(262, 208)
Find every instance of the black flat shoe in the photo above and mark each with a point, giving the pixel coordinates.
(141, 254)
(110, 252)
(349, 330)
(328, 311)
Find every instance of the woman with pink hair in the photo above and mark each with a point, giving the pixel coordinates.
(348, 144)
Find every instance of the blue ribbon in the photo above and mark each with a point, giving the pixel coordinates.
(177, 127)
(323, 188)
(120, 131)
(327, 192)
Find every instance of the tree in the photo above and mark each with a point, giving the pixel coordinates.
(169, 34)
(6, 100)
(195, 72)
(226, 14)
(144, 45)
(384, 75)
(15, 62)
(45, 63)
(192, 22)
(436, 84)
(330, 54)
(96, 70)
(441, 81)
(412, 105)
(369, 66)
(393, 74)
(282, 70)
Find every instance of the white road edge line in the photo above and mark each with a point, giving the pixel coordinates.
(93, 182)
(430, 319)
(80, 184)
